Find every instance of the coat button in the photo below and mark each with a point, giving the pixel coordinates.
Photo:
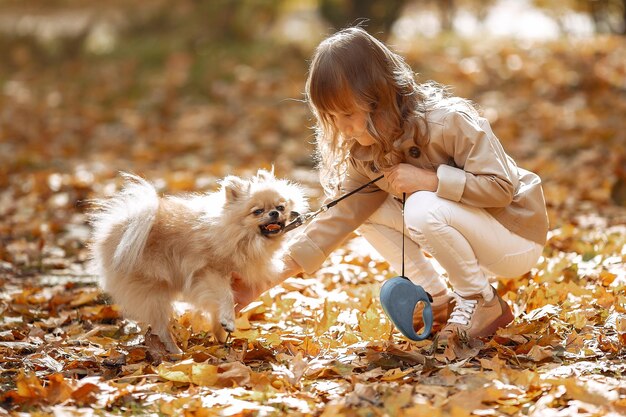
(414, 152)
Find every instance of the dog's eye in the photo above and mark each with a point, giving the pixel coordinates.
(257, 212)
(280, 208)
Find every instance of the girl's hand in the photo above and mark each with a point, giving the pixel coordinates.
(291, 268)
(245, 294)
(406, 178)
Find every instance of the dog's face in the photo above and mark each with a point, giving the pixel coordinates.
(269, 211)
(264, 204)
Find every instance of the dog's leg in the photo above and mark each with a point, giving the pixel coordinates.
(151, 304)
(211, 292)
(157, 312)
(163, 331)
(218, 328)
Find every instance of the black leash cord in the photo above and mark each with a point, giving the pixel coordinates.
(303, 218)
(334, 202)
(403, 204)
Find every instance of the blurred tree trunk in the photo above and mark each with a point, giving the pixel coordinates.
(447, 11)
(377, 16)
(609, 16)
(622, 29)
(598, 15)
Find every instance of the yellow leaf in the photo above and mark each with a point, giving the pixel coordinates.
(328, 319)
(333, 410)
(456, 411)
(85, 298)
(180, 372)
(250, 335)
(395, 374)
(620, 404)
(255, 307)
(204, 374)
(242, 322)
(372, 326)
(578, 391)
(309, 347)
(273, 339)
(168, 409)
(349, 338)
(577, 318)
(607, 278)
(195, 320)
(421, 410)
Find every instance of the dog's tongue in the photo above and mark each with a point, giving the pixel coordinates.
(272, 227)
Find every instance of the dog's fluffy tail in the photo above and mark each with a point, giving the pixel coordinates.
(125, 221)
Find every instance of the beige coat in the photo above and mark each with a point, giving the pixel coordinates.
(472, 169)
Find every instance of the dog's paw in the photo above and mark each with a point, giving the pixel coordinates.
(228, 325)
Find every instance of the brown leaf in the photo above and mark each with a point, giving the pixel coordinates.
(58, 390)
(410, 357)
(29, 387)
(86, 394)
(538, 353)
(233, 374)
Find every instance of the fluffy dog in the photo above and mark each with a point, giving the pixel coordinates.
(150, 250)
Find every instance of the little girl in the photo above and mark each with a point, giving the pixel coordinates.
(468, 204)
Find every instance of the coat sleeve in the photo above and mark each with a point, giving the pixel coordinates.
(483, 175)
(329, 229)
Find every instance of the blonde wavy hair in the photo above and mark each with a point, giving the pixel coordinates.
(353, 69)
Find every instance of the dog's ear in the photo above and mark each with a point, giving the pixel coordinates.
(235, 187)
(264, 175)
(296, 197)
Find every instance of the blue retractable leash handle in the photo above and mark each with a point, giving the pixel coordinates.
(399, 297)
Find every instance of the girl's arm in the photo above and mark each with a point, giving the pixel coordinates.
(406, 178)
(484, 175)
(324, 234)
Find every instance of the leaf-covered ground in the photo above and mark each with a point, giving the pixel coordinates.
(318, 345)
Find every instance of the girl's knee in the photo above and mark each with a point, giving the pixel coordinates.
(423, 211)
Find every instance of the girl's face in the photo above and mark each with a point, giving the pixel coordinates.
(352, 125)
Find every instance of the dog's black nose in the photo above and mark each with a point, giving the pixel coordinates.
(273, 213)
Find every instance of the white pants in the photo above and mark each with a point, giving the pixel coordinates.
(467, 242)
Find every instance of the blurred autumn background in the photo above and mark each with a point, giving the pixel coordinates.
(186, 92)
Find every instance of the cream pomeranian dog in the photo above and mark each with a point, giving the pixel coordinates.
(150, 250)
